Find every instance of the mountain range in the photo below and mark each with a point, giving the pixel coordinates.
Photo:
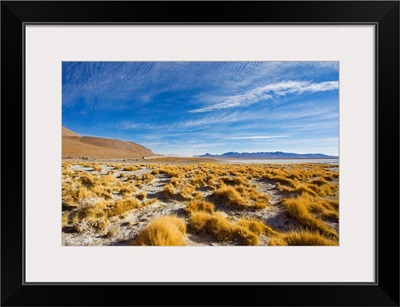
(268, 155)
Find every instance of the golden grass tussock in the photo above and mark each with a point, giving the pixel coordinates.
(102, 191)
(129, 168)
(176, 182)
(147, 202)
(221, 228)
(241, 197)
(147, 178)
(69, 203)
(107, 180)
(230, 196)
(299, 208)
(163, 231)
(169, 190)
(238, 180)
(198, 181)
(64, 219)
(81, 193)
(88, 180)
(99, 224)
(256, 226)
(126, 189)
(187, 192)
(122, 205)
(259, 200)
(97, 167)
(155, 171)
(94, 211)
(319, 181)
(199, 205)
(117, 166)
(302, 238)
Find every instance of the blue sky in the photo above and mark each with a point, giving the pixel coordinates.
(191, 108)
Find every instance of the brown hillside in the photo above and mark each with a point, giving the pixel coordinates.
(67, 132)
(74, 146)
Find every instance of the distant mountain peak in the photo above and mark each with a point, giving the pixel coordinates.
(268, 155)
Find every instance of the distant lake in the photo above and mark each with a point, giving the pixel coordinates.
(279, 161)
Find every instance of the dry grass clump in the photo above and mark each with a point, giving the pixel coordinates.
(69, 203)
(238, 180)
(169, 191)
(126, 189)
(88, 180)
(302, 238)
(164, 231)
(230, 196)
(176, 182)
(187, 192)
(129, 168)
(241, 197)
(198, 181)
(199, 205)
(256, 226)
(81, 193)
(102, 191)
(221, 228)
(259, 200)
(97, 167)
(171, 171)
(107, 180)
(122, 205)
(92, 211)
(147, 178)
(299, 208)
(117, 166)
(99, 224)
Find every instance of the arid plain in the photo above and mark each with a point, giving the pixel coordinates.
(148, 199)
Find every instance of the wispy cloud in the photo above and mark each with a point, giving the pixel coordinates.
(259, 137)
(268, 92)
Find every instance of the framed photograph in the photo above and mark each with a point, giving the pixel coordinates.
(242, 153)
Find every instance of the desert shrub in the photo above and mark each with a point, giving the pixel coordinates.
(147, 178)
(68, 203)
(259, 200)
(126, 189)
(303, 238)
(256, 226)
(169, 190)
(122, 205)
(88, 180)
(199, 205)
(107, 180)
(221, 228)
(186, 192)
(99, 224)
(299, 209)
(102, 191)
(163, 231)
(229, 196)
(238, 180)
(129, 168)
(81, 193)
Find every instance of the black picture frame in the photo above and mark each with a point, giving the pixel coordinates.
(383, 14)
